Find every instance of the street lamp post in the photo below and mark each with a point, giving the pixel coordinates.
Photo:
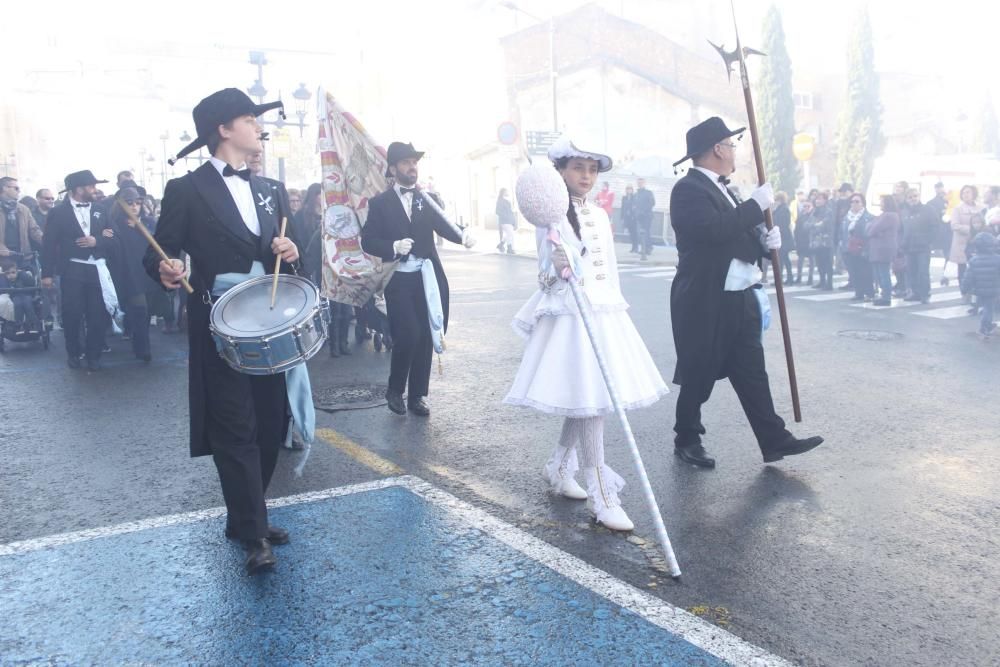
(163, 174)
(301, 95)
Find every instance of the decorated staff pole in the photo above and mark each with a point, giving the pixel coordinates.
(739, 55)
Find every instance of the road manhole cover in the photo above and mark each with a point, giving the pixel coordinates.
(870, 334)
(349, 397)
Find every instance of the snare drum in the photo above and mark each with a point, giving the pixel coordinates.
(256, 340)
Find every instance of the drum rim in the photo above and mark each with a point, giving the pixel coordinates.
(216, 327)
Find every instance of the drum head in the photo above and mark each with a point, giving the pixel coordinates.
(245, 310)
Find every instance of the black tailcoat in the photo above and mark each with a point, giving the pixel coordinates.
(199, 217)
(710, 234)
(59, 243)
(387, 223)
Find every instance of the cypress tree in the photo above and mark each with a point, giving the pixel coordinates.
(860, 138)
(776, 107)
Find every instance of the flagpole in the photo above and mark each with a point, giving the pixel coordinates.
(779, 288)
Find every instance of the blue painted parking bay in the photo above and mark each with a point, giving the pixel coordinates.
(391, 572)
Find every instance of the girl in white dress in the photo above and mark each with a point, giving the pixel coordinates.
(559, 373)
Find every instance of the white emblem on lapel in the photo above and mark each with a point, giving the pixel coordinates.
(420, 204)
(97, 215)
(266, 203)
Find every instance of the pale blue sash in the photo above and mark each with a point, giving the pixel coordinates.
(297, 384)
(765, 308)
(435, 311)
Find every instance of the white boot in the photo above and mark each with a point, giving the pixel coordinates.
(603, 485)
(559, 471)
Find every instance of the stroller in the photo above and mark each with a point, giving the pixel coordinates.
(24, 316)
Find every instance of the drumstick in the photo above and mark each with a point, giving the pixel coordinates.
(277, 265)
(152, 242)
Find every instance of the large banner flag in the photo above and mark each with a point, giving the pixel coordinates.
(353, 171)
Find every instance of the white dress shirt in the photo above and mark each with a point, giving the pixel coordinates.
(82, 214)
(741, 274)
(406, 198)
(242, 195)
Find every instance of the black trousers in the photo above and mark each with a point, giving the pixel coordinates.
(824, 262)
(137, 323)
(412, 350)
(246, 421)
(743, 363)
(82, 301)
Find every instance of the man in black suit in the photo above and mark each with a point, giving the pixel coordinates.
(77, 235)
(714, 306)
(400, 226)
(227, 220)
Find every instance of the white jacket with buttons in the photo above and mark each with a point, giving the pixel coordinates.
(598, 270)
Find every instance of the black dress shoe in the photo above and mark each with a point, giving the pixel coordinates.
(419, 407)
(791, 447)
(73, 362)
(259, 555)
(276, 536)
(396, 403)
(695, 455)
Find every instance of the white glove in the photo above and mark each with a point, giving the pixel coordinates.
(402, 247)
(467, 239)
(560, 261)
(764, 196)
(773, 239)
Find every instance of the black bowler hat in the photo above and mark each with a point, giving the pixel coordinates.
(132, 184)
(400, 151)
(80, 179)
(219, 108)
(706, 134)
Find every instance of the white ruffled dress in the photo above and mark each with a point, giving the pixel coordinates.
(559, 373)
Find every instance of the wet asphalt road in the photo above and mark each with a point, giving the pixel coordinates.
(877, 548)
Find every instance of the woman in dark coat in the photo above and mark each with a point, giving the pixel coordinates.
(802, 241)
(883, 246)
(127, 272)
(783, 221)
(507, 221)
(821, 225)
(859, 270)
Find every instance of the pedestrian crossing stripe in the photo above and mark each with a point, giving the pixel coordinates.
(949, 313)
(828, 296)
(938, 297)
(655, 274)
(639, 268)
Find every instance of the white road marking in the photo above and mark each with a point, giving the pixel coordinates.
(826, 296)
(899, 303)
(949, 313)
(710, 638)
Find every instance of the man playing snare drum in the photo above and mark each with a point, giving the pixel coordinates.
(227, 220)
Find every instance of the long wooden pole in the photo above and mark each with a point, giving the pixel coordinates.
(152, 242)
(775, 260)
